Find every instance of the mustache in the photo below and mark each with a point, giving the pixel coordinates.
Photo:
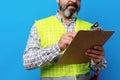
(72, 4)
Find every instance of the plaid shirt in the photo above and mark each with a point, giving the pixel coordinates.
(35, 56)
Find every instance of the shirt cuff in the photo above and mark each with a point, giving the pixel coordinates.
(98, 67)
(55, 53)
(57, 47)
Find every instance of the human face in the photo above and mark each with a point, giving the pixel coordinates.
(69, 8)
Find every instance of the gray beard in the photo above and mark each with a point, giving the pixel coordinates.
(68, 14)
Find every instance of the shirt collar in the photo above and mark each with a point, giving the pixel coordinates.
(60, 18)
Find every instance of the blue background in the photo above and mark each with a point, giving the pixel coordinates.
(17, 17)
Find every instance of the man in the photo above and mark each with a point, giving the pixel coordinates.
(51, 36)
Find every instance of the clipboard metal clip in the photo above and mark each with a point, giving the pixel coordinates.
(95, 26)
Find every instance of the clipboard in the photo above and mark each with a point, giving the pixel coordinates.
(75, 53)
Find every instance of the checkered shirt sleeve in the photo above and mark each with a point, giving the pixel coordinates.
(35, 56)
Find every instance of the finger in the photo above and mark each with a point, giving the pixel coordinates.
(92, 56)
(71, 34)
(67, 38)
(98, 60)
(98, 48)
(67, 41)
(96, 52)
(87, 55)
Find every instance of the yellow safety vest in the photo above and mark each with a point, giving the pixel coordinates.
(50, 30)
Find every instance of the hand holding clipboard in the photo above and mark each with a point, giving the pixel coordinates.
(75, 53)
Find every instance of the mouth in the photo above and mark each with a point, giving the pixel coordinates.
(73, 6)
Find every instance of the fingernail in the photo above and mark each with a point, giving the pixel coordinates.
(86, 53)
(88, 50)
(95, 47)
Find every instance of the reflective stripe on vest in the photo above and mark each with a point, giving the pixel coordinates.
(50, 30)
